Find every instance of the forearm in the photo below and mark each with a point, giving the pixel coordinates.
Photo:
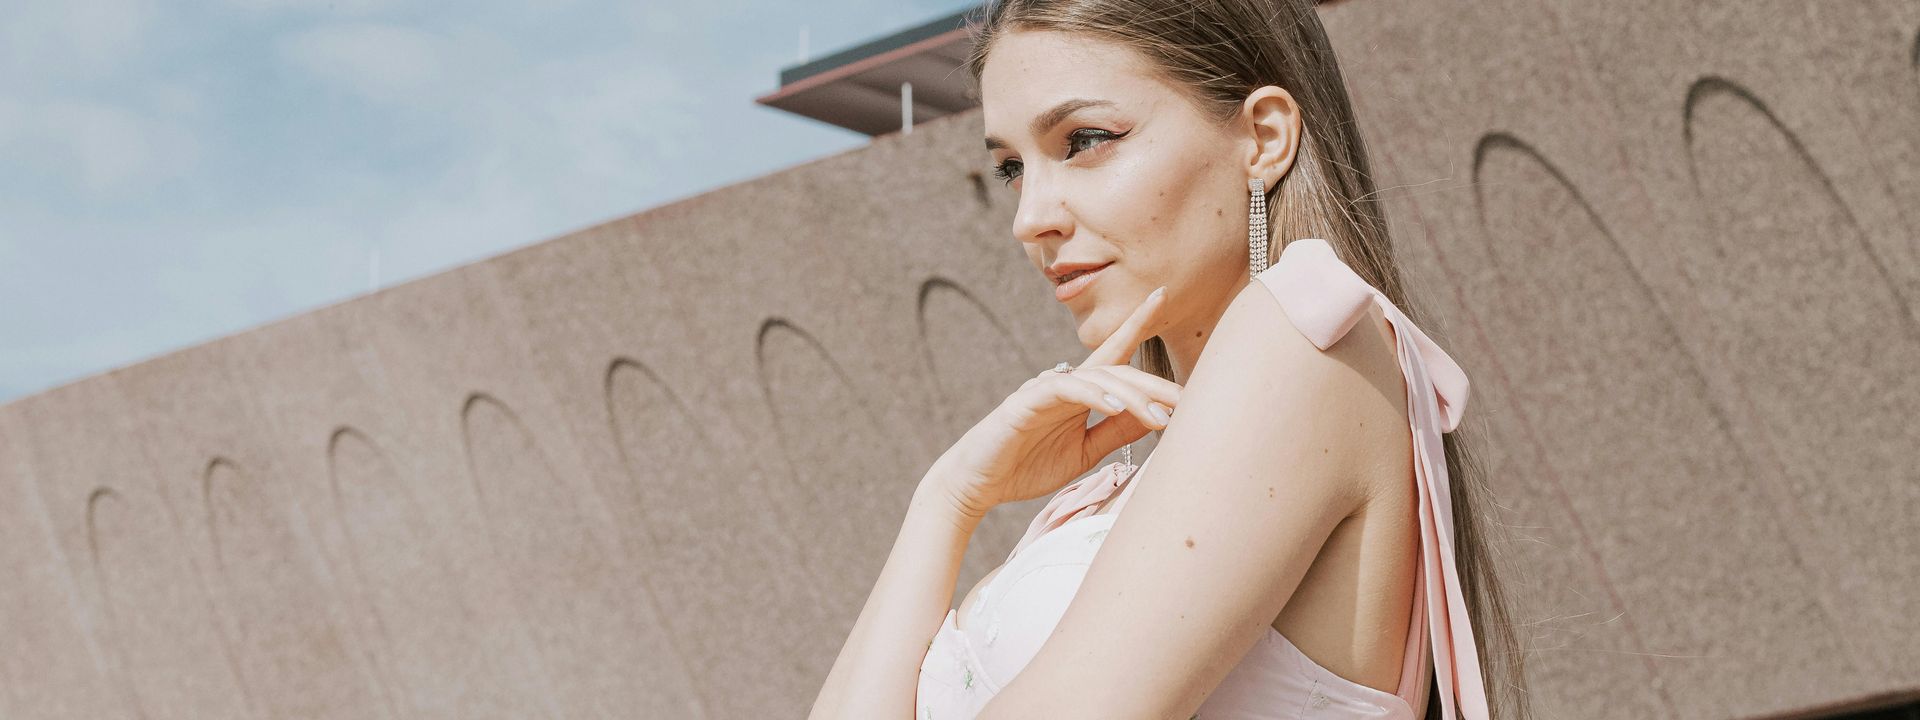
(878, 670)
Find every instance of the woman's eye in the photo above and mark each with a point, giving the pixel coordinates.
(1073, 140)
(1006, 170)
(1009, 169)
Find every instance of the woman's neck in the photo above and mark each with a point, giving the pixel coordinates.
(1188, 338)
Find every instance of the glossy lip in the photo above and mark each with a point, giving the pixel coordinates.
(1062, 269)
(1068, 290)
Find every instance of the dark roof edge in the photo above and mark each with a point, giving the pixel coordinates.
(877, 46)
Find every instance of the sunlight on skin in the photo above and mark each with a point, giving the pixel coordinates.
(1141, 180)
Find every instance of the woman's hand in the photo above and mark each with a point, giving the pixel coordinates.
(1038, 440)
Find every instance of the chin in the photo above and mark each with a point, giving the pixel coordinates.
(1086, 324)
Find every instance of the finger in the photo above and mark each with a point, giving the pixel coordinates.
(1118, 347)
(1110, 434)
(1159, 388)
(1071, 389)
(1140, 401)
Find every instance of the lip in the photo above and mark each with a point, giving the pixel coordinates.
(1068, 290)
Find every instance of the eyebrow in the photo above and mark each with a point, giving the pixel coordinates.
(1044, 122)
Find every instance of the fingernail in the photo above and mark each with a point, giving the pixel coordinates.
(1158, 412)
(1114, 402)
(1162, 290)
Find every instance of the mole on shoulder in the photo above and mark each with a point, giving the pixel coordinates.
(1189, 541)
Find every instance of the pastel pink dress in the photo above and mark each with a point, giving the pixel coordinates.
(1018, 609)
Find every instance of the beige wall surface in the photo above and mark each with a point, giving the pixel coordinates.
(650, 469)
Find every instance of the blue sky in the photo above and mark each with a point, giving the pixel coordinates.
(174, 172)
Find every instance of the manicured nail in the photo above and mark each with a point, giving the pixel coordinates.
(1162, 290)
(1114, 402)
(1158, 412)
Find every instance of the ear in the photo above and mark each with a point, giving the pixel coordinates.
(1272, 120)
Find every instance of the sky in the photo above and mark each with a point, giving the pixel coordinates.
(171, 173)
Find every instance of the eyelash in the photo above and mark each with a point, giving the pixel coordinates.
(1006, 175)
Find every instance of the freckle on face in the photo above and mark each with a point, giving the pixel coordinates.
(1189, 542)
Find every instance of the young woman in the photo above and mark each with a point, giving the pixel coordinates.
(1308, 541)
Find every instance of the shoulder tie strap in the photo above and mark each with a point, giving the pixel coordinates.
(1324, 298)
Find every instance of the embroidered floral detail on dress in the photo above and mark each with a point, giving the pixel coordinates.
(1315, 698)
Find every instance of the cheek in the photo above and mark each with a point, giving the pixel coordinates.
(1161, 198)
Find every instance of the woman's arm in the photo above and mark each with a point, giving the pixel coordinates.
(1264, 460)
(878, 670)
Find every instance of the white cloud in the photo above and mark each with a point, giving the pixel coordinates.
(78, 106)
(554, 147)
(94, 146)
(52, 43)
(110, 147)
(175, 176)
(348, 7)
(379, 62)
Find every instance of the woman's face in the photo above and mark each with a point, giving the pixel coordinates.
(1136, 179)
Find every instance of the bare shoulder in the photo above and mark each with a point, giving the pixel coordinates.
(1356, 388)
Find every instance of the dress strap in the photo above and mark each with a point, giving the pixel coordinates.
(1324, 297)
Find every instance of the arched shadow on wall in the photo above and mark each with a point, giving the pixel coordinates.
(974, 362)
(961, 399)
(123, 673)
(1806, 308)
(1570, 295)
(299, 659)
(153, 617)
(841, 455)
(1711, 87)
(565, 570)
(412, 591)
(1916, 52)
(1489, 146)
(697, 506)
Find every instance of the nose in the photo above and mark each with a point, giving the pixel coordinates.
(1042, 214)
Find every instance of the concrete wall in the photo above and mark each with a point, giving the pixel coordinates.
(650, 469)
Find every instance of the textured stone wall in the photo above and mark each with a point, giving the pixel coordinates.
(651, 468)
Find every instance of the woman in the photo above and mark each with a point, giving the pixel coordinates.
(1309, 545)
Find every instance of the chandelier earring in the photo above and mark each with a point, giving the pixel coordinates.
(1257, 239)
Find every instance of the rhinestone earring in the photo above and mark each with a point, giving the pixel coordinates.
(1257, 242)
(1257, 239)
(1126, 451)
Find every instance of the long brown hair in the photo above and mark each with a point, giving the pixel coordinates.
(1217, 52)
